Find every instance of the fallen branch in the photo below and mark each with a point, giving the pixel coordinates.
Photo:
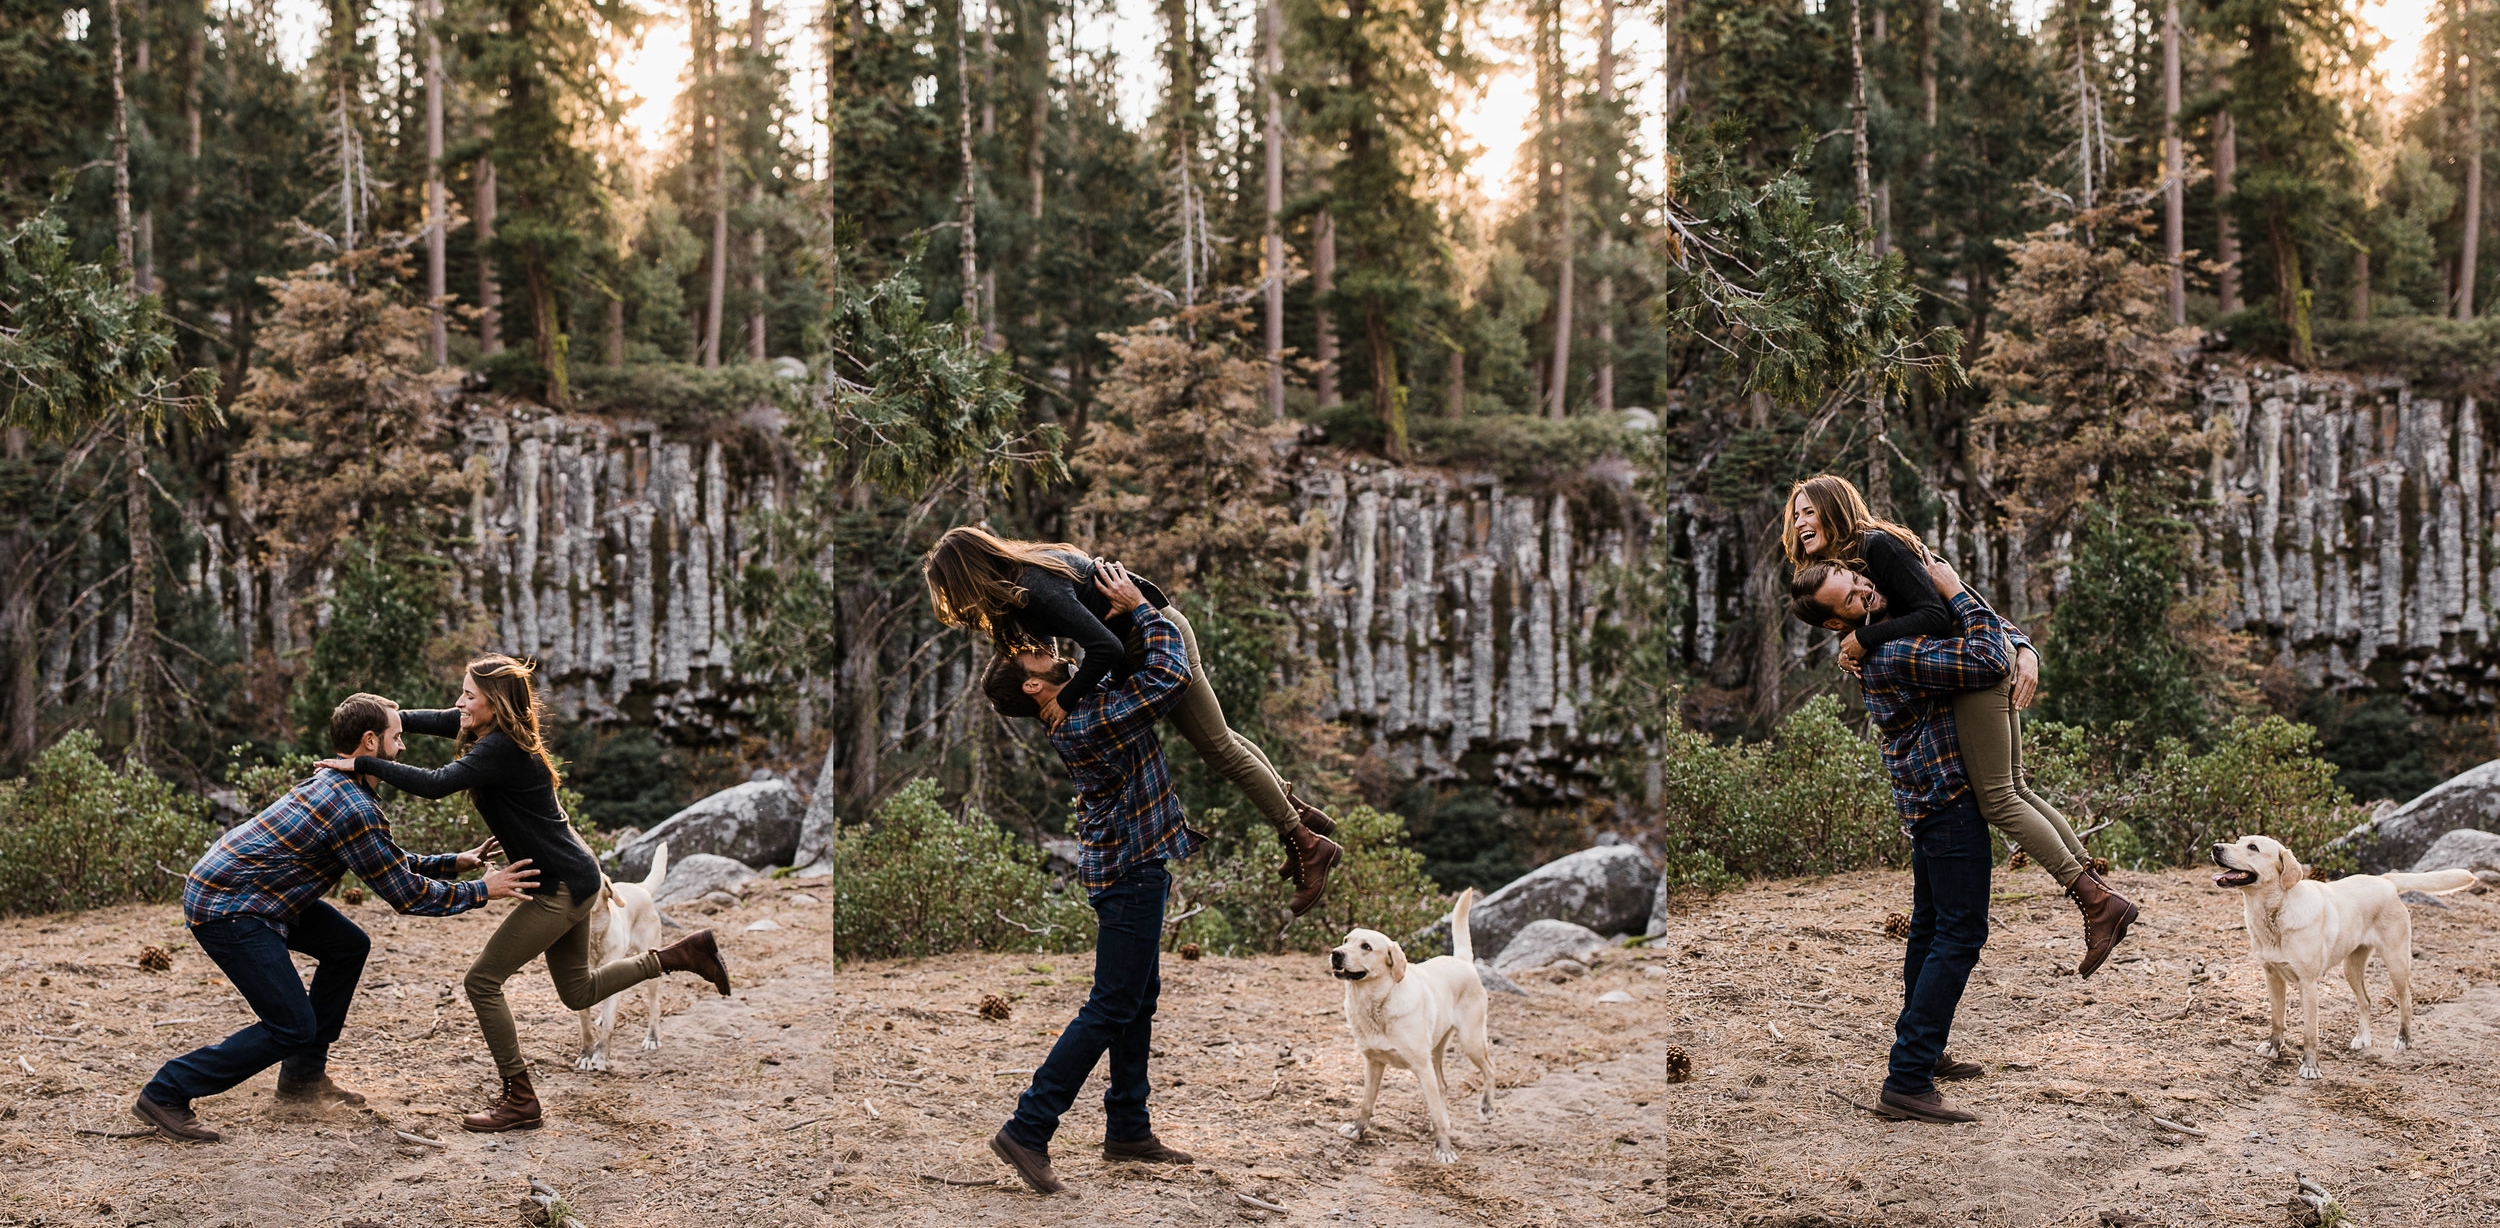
(113, 1133)
(2167, 1124)
(1855, 1103)
(1021, 925)
(805, 1124)
(421, 1140)
(958, 1180)
(1174, 922)
(2331, 1214)
(552, 1206)
(62, 1040)
(1260, 1203)
(167, 1023)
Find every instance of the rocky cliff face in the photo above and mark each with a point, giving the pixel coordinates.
(1449, 612)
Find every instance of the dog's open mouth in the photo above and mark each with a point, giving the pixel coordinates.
(1348, 974)
(2234, 877)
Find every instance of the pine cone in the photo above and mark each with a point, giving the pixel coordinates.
(2018, 860)
(1897, 925)
(1679, 1065)
(2100, 865)
(1191, 950)
(155, 958)
(995, 1007)
(355, 896)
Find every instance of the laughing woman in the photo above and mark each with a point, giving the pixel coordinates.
(505, 767)
(1025, 595)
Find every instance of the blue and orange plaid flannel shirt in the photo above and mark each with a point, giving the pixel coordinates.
(295, 851)
(1909, 686)
(1127, 812)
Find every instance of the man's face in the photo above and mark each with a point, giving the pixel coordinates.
(1851, 598)
(1044, 675)
(385, 744)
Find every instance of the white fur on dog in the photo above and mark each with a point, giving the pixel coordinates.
(629, 925)
(1404, 1017)
(2299, 929)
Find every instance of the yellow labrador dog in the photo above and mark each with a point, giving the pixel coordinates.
(628, 926)
(2300, 929)
(1404, 1017)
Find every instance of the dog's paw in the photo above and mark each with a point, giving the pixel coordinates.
(1443, 1153)
(2308, 1070)
(2269, 1049)
(650, 1043)
(2399, 1045)
(2360, 1044)
(1352, 1130)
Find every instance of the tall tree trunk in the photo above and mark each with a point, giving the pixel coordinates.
(1555, 156)
(2290, 305)
(616, 330)
(143, 224)
(2470, 245)
(1457, 402)
(1880, 201)
(1271, 62)
(138, 648)
(1930, 28)
(1038, 125)
(2361, 283)
(1323, 288)
(2226, 243)
(2174, 168)
(1604, 195)
(970, 251)
(1878, 489)
(712, 129)
(755, 204)
(1388, 396)
(489, 293)
(436, 293)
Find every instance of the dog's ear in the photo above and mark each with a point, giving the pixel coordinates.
(2287, 868)
(1397, 963)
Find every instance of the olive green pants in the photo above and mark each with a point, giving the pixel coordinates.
(1200, 719)
(549, 924)
(1991, 731)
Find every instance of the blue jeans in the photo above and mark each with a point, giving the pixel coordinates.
(1117, 1018)
(1949, 865)
(296, 1025)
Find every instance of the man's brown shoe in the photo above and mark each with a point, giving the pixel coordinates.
(1947, 1068)
(176, 1124)
(317, 1093)
(698, 953)
(1929, 1108)
(515, 1109)
(2106, 916)
(1147, 1150)
(1314, 855)
(1033, 1166)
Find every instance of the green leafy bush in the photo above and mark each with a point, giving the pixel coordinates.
(383, 616)
(1379, 885)
(919, 881)
(1811, 799)
(2259, 778)
(77, 833)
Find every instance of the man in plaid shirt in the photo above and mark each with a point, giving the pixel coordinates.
(1129, 824)
(256, 894)
(1909, 686)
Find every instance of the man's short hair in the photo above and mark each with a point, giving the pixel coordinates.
(356, 716)
(1805, 593)
(1003, 682)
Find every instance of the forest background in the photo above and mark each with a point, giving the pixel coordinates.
(1130, 276)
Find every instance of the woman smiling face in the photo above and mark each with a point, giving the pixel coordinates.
(475, 712)
(1807, 519)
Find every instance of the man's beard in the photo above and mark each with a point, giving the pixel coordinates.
(1057, 675)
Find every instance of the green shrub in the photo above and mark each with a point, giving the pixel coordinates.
(1811, 799)
(919, 881)
(383, 616)
(77, 833)
(1379, 885)
(2259, 778)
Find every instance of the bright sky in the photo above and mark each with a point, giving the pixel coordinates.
(1495, 120)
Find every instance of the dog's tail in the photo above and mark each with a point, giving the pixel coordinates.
(2437, 882)
(659, 870)
(1461, 945)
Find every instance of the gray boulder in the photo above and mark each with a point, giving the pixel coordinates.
(2399, 838)
(2462, 849)
(1548, 941)
(701, 875)
(1495, 982)
(1657, 910)
(1608, 889)
(756, 823)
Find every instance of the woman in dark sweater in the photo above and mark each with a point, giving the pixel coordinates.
(1829, 526)
(1026, 595)
(505, 767)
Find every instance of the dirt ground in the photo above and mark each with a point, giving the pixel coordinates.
(865, 1095)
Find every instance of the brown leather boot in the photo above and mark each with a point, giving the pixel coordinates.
(698, 953)
(316, 1093)
(515, 1109)
(2106, 916)
(1314, 855)
(1312, 816)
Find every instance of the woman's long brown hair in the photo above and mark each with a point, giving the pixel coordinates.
(1846, 522)
(505, 682)
(971, 574)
